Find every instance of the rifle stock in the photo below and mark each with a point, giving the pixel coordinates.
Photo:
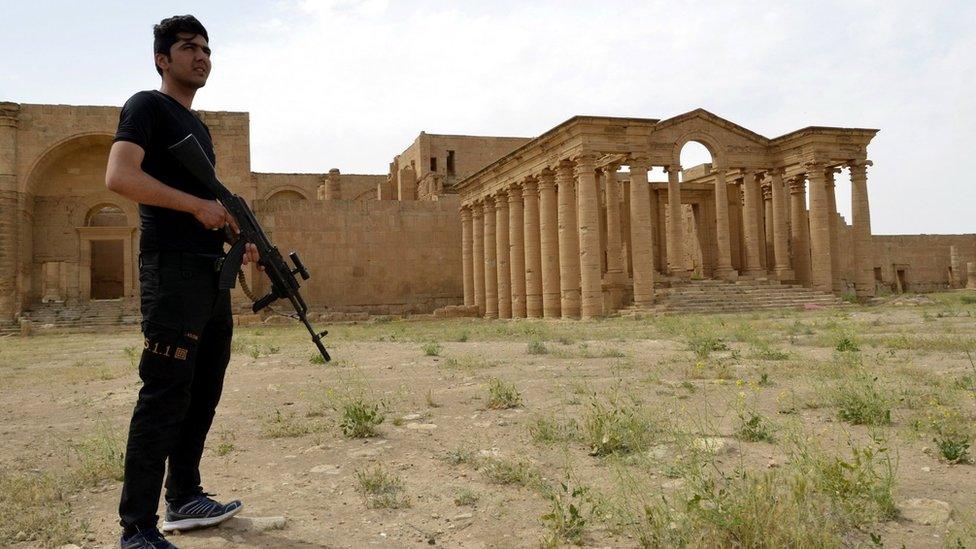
(284, 283)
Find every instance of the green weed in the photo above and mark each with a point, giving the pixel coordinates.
(502, 395)
(380, 489)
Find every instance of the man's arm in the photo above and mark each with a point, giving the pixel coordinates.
(124, 176)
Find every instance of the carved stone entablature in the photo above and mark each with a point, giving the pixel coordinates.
(745, 149)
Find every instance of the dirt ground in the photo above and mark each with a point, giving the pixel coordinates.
(747, 429)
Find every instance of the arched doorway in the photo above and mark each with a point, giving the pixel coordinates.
(107, 255)
(80, 237)
(697, 209)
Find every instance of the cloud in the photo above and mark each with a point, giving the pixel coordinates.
(349, 84)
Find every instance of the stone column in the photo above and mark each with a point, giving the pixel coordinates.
(467, 270)
(516, 223)
(766, 245)
(835, 268)
(407, 184)
(820, 263)
(800, 236)
(478, 254)
(861, 228)
(615, 262)
(676, 256)
(750, 225)
(549, 242)
(533, 249)
(971, 275)
(331, 190)
(780, 240)
(491, 258)
(723, 265)
(641, 244)
(591, 287)
(955, 274)
(569, 259)
(503, 254)
(9, 212)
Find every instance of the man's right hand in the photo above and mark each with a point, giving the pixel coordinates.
(214, 216)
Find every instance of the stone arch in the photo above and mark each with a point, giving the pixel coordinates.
(704, 139)
(85, 207)
(61, 149)
(289, 191)
(62, 186)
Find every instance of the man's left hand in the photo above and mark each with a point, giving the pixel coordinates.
(251, 255)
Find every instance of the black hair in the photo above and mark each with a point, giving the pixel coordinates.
(166, 33)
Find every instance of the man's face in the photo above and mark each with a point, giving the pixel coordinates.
(189, 61)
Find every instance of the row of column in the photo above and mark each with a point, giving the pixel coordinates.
(533, 249)
(800, 245)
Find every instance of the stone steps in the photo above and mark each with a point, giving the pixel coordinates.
(94, 314)
(716, 296)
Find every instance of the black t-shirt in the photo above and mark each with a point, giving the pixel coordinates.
(155, 121)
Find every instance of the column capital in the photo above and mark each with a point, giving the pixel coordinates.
(546, 179)
(610, 168)
(798, 184)
(530, 186)
(859, 167)
(638, 163)
(814, 166)
(584, 162)
(514, 193)
(767, 191)
(489, 203)
(465, 212)
(672, 168)
(564, 172)
(829, 174)
(500, 196)
(773, 172)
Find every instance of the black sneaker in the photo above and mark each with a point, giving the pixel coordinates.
(199, 512)
(145, 539)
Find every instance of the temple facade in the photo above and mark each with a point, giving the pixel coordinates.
(556, 228)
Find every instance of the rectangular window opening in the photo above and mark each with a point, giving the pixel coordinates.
(433, 163)
(450, 162)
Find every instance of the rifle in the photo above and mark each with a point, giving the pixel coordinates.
(284, 284)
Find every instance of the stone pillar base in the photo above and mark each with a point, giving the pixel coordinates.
(784, 275)
(726, 274)
(753, 274)
(683, 274)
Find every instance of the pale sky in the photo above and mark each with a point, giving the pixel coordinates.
(348, 84)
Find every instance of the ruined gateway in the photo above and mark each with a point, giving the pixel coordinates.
(562, 225)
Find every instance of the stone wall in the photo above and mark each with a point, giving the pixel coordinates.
(279, 186)
(382, 257)
(923, 257)
(53, 167)
(471, 153)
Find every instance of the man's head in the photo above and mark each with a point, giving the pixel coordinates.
(181, 50)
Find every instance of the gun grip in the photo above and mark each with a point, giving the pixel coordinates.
(263, 302)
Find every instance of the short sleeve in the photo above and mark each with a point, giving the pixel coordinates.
(136, 120)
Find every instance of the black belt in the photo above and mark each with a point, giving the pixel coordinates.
(183, 260)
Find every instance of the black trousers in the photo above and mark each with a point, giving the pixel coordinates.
(187, 324)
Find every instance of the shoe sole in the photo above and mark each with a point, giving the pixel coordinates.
(193, 523)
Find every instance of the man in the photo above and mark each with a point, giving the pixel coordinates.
(186, 320)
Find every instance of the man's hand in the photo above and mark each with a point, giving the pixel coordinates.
(214, 216)
(251, 255)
